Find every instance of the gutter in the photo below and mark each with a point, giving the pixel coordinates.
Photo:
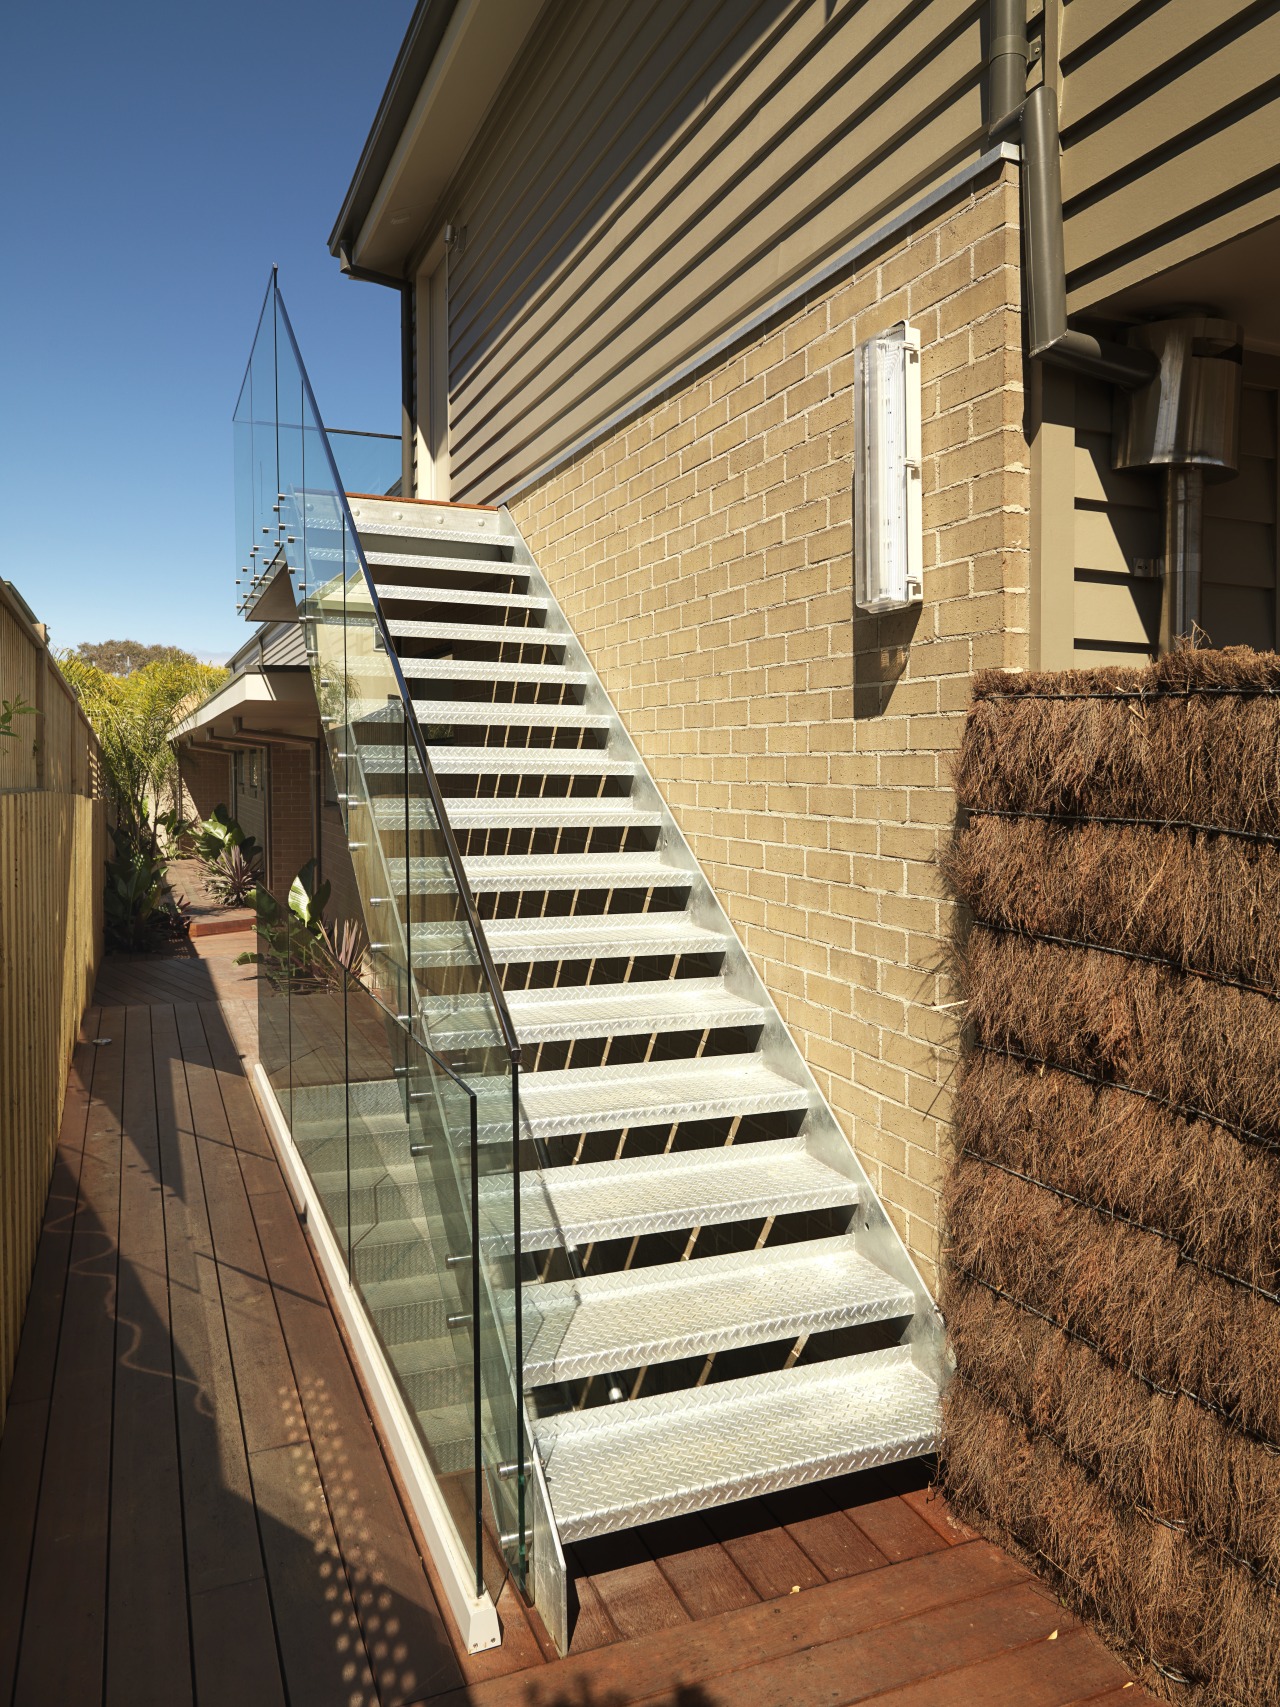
(1049, 337)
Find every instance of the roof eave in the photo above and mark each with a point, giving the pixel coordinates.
(454, 60)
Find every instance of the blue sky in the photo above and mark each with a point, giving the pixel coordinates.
(158, 159)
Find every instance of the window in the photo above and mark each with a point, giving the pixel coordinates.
(248, 772)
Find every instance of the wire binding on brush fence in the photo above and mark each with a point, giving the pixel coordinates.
(1164, 960)
(1180, 1109)
(1189, 825)
(1178, 1527)
(1125, 1221)
(1114, 1363)
(1151, 693)
(1013, 1543)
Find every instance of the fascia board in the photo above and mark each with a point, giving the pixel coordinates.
(478, 49)
(291, 690)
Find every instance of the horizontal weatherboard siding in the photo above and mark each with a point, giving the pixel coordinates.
(1170, 120)
(1118, 523)
(659, 172)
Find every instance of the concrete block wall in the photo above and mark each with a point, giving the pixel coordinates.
(703, 552)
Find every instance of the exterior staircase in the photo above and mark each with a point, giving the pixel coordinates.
(714, 1301)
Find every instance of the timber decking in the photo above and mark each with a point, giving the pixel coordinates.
(194, 1507)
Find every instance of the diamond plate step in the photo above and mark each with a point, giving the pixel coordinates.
(380, 1141)
(482, 670)
(528, 761)
(637, 1009)
(449, 1438)
(515, 814)
(516, 942)
(499, 761)
(477, 714)
(392, 1250)
(488, 632)
(490, 874)
(599, 1323)
(630, 1010)
(387, 527)
(601, 1099)
(405, 1310)
(475, 596)
(432, 1374)
(631, 1463)
(664, 1194)
(373, 1194)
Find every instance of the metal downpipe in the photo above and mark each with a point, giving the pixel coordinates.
(1049, 338)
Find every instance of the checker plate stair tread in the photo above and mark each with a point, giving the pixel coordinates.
(620, 1465)
(605, 1322)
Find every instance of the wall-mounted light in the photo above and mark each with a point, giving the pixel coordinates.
(888, 540)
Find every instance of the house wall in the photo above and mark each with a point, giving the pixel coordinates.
(655, 173)
(250, 786)
(292, 816)
(1097, 525)
(206, 780)
(335, 855)
(1170, 124)
(703, 553)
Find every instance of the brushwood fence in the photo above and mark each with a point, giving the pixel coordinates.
(52, 847)
(1111, 1276)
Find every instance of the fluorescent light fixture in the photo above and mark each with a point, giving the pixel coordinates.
(888, 539)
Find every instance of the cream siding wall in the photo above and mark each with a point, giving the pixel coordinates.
(655, 173)
(703, 554)
(1112, 522)
(1170, 122)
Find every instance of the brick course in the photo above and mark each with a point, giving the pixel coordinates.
(703, 552)
(205, 781)
(291, 817)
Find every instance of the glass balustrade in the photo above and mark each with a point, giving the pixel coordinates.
(414, 1157)
(369, 463)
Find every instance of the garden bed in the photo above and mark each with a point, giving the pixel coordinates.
(187, 885)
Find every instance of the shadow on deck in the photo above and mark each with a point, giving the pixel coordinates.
(194, 1506)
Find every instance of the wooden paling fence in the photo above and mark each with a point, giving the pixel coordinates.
(52, 847)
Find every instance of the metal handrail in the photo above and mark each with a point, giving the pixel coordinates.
(487, 967)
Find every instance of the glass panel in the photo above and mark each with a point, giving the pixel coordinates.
(367, 462)
(411, 1147)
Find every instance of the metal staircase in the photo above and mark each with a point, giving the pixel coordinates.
(715, 1303)
(621, 1259)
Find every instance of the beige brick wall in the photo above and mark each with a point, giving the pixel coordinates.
(703, 554)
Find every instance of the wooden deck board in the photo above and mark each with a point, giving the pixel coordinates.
(703, 1576)
(23, 1447)
(403, 1631)
(701, 1651)
(62, 1651)
(636, 1595)
(148, 1652)
(194, 1505)
(837, 1547)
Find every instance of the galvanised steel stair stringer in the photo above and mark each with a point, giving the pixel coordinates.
(715, 1302)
